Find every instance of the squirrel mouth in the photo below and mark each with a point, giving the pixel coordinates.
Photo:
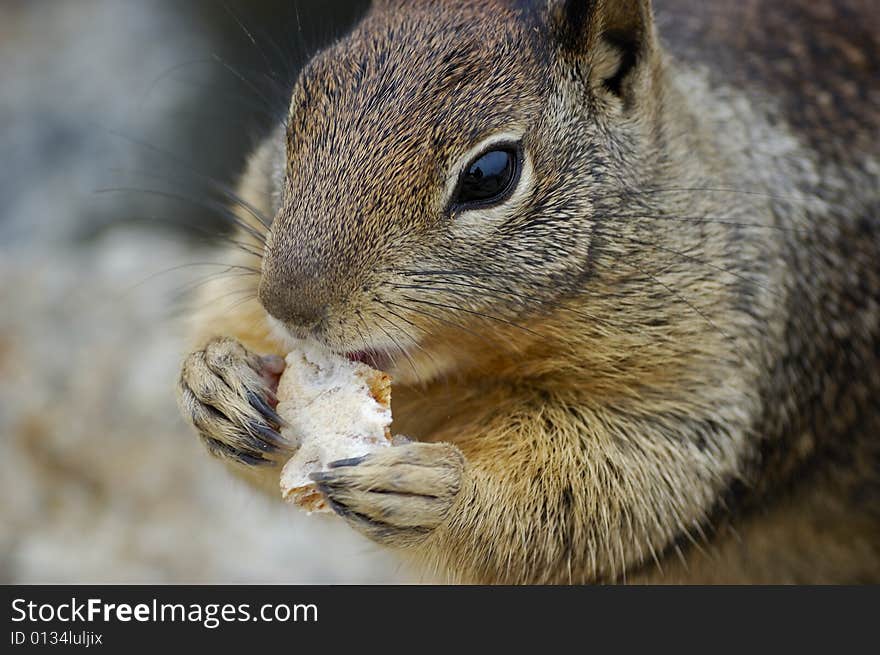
(374, 358)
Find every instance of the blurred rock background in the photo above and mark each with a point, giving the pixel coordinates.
(103, 102)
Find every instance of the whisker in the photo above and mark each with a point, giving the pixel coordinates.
(408, 335)
(693, 307)
(215, 186)
(207, 204)
(711, 220)
(299, 26)
(190, 287)
(367, 348)
(385, 349)
(285, 57)
(208, 237)
(238, 304)
(250, 37)
(220, 187)
(474, 275)
(523, 297)
(440, 319)
(273, 112)
(428, 271)
(707, 189)
(480, 276)
(165, 73)
(699, 261)
(399, 347)
(474, 313)
(248, 83)
(396, 345)
(182, 288)
(625, 194)
(184, 308)
(245, 248)
(172, 269)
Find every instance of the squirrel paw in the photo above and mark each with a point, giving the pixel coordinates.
(227, 393)
(395, 496)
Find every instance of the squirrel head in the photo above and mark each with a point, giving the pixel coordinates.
(446, 166)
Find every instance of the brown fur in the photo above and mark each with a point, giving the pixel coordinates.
(657, 362)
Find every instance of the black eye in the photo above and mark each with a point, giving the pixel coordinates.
(489, 179)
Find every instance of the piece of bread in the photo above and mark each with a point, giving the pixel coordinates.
(335, 409)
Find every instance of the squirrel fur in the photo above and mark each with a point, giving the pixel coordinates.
(658, 361)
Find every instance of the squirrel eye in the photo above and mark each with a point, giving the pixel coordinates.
(488, 179)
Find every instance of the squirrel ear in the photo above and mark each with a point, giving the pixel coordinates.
(613, 36)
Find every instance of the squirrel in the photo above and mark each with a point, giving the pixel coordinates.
(621, 260)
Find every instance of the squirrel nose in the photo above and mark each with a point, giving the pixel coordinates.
(291, 302)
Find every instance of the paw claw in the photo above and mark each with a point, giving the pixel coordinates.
(338, 508)
(395, 496)
(269, 436)
(351, 461)
(265, 409)
(320, 478)
(220, 449)
(226, 392)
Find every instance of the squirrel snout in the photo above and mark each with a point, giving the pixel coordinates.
(294, 302)
(307, 274)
